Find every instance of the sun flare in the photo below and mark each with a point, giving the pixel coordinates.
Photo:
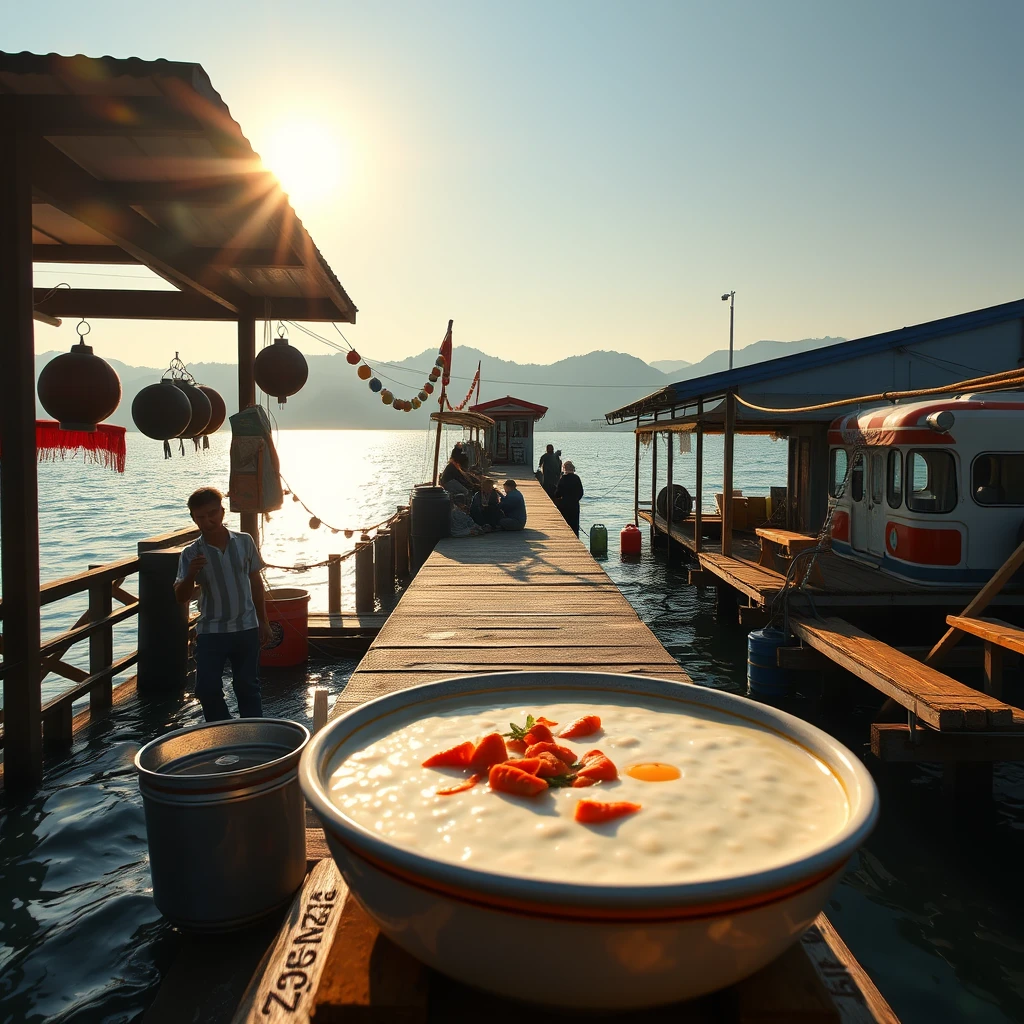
(306, 156)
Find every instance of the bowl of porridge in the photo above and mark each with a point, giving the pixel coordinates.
(586, 840)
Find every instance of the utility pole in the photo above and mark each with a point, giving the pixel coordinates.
(730, 297)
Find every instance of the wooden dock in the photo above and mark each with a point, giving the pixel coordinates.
(504, 602)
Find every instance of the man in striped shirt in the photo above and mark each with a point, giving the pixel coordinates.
(233, 625)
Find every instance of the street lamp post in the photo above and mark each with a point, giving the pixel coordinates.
(730, 297)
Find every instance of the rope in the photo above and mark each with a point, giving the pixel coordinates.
(990, 382)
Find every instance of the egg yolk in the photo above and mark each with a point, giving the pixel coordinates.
(653, 771)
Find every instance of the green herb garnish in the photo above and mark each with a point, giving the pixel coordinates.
(567, 778)
(519, 732)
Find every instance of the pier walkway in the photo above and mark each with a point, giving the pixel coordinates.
(533, 600)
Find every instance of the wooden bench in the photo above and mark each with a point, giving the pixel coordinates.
(789, 544)
(997, 637)
(934, 698)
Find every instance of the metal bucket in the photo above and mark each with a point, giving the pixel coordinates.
(225, 819)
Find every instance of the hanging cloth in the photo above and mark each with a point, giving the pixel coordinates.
(105, 445)
(255, 482)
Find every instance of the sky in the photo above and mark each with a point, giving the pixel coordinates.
(566, 176)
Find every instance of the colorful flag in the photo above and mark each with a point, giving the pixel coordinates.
(446, 351)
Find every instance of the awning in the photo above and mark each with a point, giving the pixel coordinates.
(462, 419)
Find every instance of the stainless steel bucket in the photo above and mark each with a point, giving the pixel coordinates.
(225, 820)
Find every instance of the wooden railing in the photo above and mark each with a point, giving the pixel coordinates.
(104, 586)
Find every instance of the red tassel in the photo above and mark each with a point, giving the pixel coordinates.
(105, 446)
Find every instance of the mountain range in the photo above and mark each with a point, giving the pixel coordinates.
(578, 391)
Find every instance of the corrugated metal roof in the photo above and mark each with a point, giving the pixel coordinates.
(160, 128)
(716, 384)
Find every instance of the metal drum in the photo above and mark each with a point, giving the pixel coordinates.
(764, 677)
(430, 511)
(225, 820)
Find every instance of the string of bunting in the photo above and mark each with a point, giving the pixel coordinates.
(315, 522)
(469, 394)
(364, 372)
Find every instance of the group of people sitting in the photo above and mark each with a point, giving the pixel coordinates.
(562, 484)
(477, 506)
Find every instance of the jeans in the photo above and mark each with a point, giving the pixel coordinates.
(510, 524)
(243, 651)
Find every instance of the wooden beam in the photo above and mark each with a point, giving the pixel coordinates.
(980, 602)
(249, 521)
(19, 494)
(70, 188)
(104, 304)
(727, 474)
(893, 742)
(636, 481)
(698, 497)
(242, 259)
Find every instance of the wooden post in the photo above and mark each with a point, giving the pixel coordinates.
(334, 584)
(250, 521)
(364, 575)
(383, 567)
(101, 644)
(320, 709)
(636, 475)
(993, 669)
(162, 622)
(730, 431)
(654, 482)
(698, 498)
(670, 440)
(400, 536)
(19, 505)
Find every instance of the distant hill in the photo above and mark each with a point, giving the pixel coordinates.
(670, 365)
(758, 352)
(578, 391)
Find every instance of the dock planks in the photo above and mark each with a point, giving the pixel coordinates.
(534, 600)
(936, 699)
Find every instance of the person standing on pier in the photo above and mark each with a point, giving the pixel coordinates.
(233, 624)
(550, 468)
(513, 508)
(567, 496)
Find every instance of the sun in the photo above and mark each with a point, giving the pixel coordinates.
(306, 156)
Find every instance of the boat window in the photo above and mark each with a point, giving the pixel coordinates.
(931, 478)
(895, 478)
(997, 478)
(857, 477)
(837, 470)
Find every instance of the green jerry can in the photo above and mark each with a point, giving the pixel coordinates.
(599, 540)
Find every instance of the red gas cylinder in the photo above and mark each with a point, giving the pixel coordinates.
(629, 541)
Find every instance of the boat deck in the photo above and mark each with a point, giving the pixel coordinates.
(845, 583)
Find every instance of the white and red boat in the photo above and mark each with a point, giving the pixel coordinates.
(934, 489)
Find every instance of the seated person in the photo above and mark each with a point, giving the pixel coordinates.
(455, 479)
(462, 522)
(486, 506)
(513, 508)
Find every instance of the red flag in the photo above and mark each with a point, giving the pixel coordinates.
(446, 351)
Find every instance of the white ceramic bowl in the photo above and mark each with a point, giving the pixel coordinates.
(608, 947)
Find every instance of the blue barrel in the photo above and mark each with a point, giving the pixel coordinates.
(764, 677)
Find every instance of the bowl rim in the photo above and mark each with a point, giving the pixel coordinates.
(477, 883)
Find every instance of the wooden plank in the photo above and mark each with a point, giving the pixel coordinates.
(979, 603)
(367, 977)
(936, 699)
(284, 985)
(894, 742)
(853, 993)
(993, 630)
(789, 989)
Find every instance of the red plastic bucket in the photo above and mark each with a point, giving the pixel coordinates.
(288, 612)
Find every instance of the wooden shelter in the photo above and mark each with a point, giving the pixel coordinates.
(932, 354)
(125, 162)
(510, 439)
